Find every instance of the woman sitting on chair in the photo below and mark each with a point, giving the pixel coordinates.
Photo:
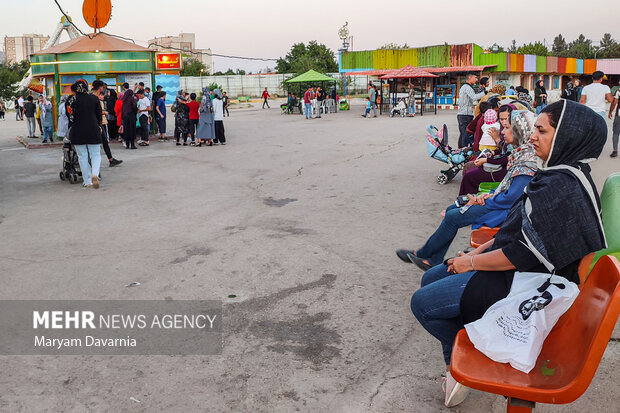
(487, 209)
(550, 229)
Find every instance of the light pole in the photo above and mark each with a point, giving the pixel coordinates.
(597, 50)
(201, 86)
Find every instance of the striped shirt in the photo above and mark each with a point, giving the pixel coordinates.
(467, 96)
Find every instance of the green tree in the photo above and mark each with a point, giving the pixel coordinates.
(394, 46)
(609, 48)
(192, 67)
(302, 58)
(559, 46)
(536, 48)
(10, 75)
(581, 48)
(513, 47)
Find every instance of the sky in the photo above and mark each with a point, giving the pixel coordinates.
(268, 28)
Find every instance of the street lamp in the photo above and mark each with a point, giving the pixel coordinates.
(597, 50)
(201, 70)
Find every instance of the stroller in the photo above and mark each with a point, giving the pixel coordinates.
(437, 145)
(70, 166)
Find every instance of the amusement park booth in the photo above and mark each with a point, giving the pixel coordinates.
(105, 57)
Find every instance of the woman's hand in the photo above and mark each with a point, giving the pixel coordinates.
(480, 162)
(494, 133)
(475, 200)
(461, 263)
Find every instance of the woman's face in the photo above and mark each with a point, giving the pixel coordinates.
(508, 137)
(504, 119)
(542, 138)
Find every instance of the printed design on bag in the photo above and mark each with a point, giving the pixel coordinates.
(538, 302)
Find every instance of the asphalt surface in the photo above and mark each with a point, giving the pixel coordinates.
(298, 219)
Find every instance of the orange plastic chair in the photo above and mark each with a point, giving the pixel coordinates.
(481, 235)
(569, 357)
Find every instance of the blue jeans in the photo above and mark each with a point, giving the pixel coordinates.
(437, 305)
(411, 109)
(437, 245)
(91, 169)
(48, 133)
(540, 107)
(308, 110)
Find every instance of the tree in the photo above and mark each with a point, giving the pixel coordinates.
(302, 58)
(393, 46)
(559, 46)
(581, 48)
(192, 67)
(513, 47)
(10, 75)
(536, 48)
(609, 48)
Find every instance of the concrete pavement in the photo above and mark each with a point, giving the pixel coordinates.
(298, 219)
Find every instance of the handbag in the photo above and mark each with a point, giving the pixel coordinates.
(490, 167)
(514, 329)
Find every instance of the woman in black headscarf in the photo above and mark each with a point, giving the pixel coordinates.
(540, 96)
(550, 229)
(84, 113)
(570, 93)
(130, 111)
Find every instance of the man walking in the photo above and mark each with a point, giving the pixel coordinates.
(99, 91)
(29, 110)
(616, 128)
(465, 114)
(265, 96)
(20, 107)
(595, 94)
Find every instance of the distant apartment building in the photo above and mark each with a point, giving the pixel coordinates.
(185, 42)
(20, 48)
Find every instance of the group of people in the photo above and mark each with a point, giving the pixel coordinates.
(546, 207)
(315, 100)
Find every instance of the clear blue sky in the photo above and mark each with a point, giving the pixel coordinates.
(268, 28)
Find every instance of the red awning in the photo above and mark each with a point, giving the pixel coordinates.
(368, 72)
(457, 69)
(408, 72)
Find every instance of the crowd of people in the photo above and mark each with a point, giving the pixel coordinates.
(546, 205)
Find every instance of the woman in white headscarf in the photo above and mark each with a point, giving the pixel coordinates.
(63, 120)
(218, 116)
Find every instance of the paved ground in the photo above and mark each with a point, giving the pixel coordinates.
(299, 219)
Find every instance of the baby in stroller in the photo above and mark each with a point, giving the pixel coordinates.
(437, 145)
(400, 109)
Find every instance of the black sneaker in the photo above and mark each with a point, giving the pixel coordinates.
(115, 162)
(614, 154)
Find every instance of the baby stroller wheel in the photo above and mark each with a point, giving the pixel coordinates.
(73, 178)
(62, 176)
(442, 179)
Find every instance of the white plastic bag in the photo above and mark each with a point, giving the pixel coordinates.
(514, 329)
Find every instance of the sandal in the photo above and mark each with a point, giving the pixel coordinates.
(410, 257)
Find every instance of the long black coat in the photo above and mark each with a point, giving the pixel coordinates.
(84, 112)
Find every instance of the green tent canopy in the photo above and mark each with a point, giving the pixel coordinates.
(309, 77)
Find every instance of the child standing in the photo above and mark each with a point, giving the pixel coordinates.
(193, 117)
(490, 122)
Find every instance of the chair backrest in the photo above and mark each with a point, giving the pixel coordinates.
(580, 337)
(610, 206)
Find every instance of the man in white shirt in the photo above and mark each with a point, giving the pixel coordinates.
(20, 109)
(465, 114)
(595, 94)
(144, 108)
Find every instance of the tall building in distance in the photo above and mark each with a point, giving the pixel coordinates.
(20, 48)
(186, 43)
